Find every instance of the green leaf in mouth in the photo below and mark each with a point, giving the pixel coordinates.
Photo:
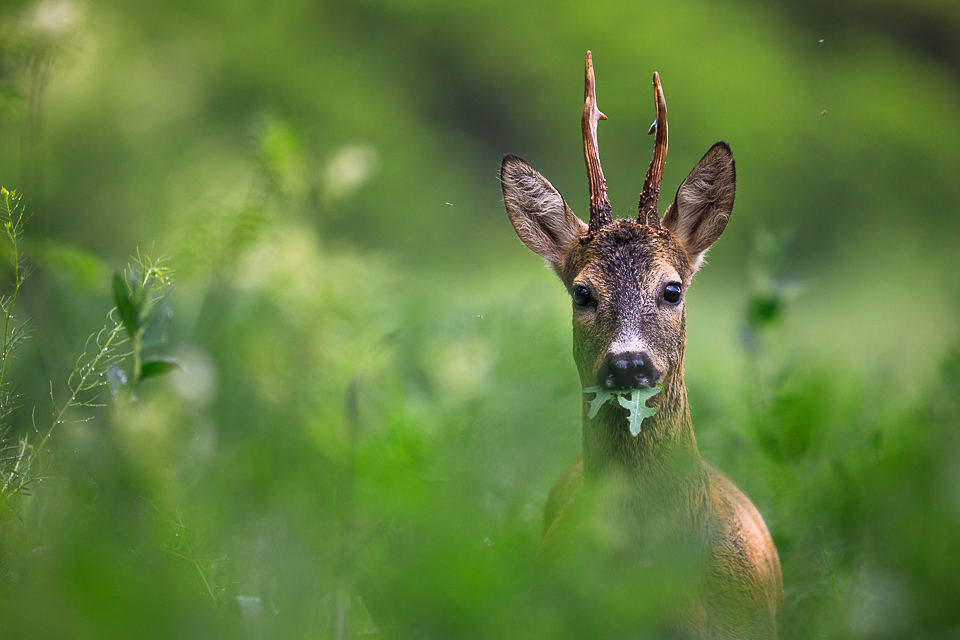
(633, 400)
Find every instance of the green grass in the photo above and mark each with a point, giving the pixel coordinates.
(382, 458)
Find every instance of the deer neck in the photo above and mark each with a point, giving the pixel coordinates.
(655, 472)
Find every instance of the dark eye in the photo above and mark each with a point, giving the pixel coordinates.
(581, 296)
(672, 293)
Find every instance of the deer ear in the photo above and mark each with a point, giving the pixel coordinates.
(703, 204)
(538, 212)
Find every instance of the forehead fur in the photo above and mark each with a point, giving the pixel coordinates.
(626, 246)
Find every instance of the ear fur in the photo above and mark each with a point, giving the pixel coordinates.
(704, 201)
(541, 218)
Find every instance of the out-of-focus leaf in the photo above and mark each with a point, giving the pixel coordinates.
(128, 312)
(116, 379)
(764, 310)
(158, 367)
(157, 322)
(83, 267)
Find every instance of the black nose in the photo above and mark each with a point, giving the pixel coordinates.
(629, 370)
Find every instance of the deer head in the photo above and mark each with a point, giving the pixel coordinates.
(626, 277)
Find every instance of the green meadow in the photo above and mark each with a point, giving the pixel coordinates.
(275, 364)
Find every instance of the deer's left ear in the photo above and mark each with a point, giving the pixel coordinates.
(703, 204)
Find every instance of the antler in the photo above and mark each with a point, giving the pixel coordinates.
(599, 203)
(651, 186)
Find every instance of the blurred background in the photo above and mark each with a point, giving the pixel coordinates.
(375, 389)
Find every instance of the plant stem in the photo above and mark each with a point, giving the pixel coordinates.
(12, 228)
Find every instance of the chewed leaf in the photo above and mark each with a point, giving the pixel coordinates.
(603, 394)
(637, 406)
(633, 400)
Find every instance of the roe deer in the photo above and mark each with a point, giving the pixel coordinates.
(627, 278)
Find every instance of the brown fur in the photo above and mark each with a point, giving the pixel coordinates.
(664, 493)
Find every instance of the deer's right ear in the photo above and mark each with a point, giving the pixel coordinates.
(538, 212)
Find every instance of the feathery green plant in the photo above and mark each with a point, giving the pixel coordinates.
(210, 571)
(141, 308)
(13, 457)
(140, 311)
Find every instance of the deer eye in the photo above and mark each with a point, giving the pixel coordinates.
(581, 295)
(672, 293)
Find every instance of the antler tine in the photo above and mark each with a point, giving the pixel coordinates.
(651, 186)
(599, 203)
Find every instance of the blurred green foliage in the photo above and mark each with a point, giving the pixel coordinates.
(375, 389)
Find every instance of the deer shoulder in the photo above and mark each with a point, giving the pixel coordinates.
(743, 558)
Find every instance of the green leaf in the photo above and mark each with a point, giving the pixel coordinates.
(129, 314)
(158, 367)
(603, 394)
(633, 400)
(83, 267)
